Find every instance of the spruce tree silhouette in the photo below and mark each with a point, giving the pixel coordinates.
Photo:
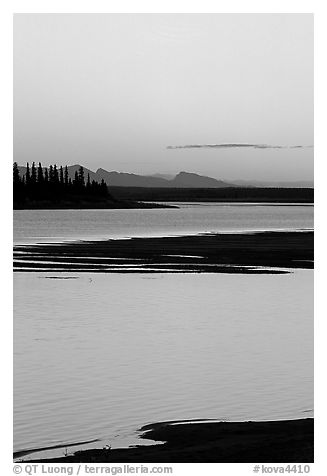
(55, 175)
(33, 174)
(27, 175)
(61, 175)
(16, 173)
(66, 176)
(55, 186)
(51, 176)
(81, 176)
(76, 182)
(40, 174)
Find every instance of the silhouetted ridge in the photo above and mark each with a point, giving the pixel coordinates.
(121, 179)
(190, 180)
(181, 180)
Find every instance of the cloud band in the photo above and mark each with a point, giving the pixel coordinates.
(235, 145)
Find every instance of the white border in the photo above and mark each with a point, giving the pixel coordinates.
(6, 113)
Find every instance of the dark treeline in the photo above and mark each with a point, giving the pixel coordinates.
(228, 194)
(53, 184)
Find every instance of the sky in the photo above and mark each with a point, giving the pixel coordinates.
(224, 95)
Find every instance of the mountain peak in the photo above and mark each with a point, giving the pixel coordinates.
(193, 180)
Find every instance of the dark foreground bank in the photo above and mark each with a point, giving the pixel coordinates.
(289, 441)
(85, 204)
(211, 253)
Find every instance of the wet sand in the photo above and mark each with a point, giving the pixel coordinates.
(289, 441)
(260, 252)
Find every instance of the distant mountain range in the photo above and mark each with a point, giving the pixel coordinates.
(181, 180)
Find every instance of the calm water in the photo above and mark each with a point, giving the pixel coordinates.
(53, 225)
(98, 356)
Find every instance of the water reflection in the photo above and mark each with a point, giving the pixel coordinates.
(101, 355)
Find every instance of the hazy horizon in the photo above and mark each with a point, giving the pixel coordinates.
(171, 176)
(229, 96)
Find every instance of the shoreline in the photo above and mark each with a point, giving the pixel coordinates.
(150, 197)
(85, 205)
(287, 441)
